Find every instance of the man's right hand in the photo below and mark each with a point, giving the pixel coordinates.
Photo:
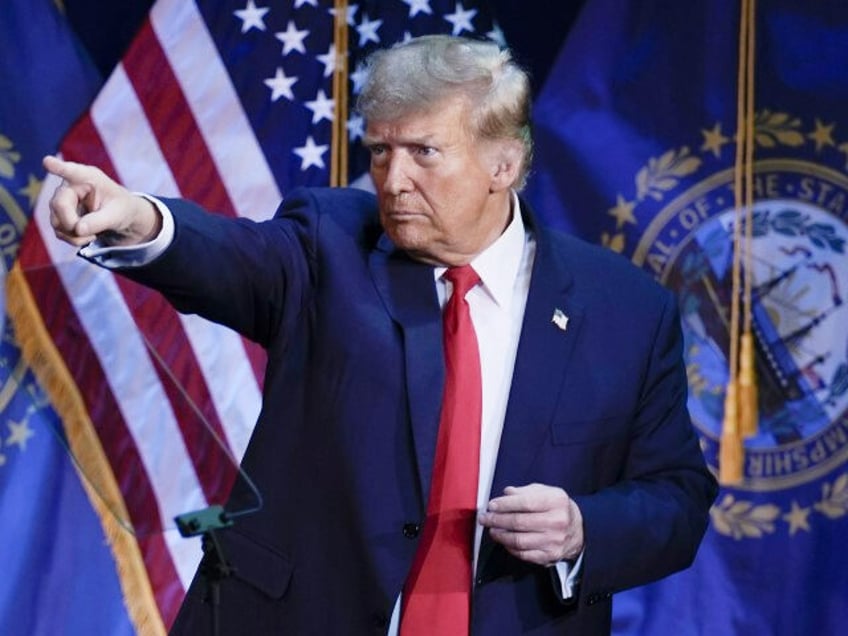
(88, 205)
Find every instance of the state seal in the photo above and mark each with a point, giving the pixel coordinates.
(799, 281)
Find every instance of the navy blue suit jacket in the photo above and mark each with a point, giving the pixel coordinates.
(344, 446)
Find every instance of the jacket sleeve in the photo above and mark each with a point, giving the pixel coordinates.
(252, 277)
(650, 523)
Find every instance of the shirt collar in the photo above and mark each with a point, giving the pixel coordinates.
(499, 263)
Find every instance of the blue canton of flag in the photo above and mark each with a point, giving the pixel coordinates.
(635, 149)
(59, 575)
(281, 60)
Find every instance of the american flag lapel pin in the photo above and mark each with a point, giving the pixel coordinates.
(560, 319)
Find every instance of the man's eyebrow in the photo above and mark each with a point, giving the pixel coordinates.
(423, 140)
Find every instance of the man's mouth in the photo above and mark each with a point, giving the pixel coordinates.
(400, 214)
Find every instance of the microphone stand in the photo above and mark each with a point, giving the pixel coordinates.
(215, 567)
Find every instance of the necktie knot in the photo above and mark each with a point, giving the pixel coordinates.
(462, 278)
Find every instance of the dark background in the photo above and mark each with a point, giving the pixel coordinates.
(534, 29)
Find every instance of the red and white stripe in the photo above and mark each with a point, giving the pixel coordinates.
(169, 122)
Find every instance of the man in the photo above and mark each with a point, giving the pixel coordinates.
(582, 462)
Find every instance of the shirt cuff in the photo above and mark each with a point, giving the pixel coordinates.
(568, 576)
(112, 256)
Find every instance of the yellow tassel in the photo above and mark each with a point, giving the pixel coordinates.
(748, 393)
(731, 452)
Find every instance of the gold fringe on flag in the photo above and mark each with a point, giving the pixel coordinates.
(740, 405)
(40, 352)
(339, 147)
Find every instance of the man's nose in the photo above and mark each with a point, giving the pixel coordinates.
(397, 175)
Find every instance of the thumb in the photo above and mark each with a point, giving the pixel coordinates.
(110, 217)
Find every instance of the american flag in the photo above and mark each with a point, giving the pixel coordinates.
(229, 104)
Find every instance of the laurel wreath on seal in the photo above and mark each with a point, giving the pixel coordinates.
(834, 501)
(774, 129)
(8, 157)
(664, 173)
(742, 519)
(732, 516)
(794, 223)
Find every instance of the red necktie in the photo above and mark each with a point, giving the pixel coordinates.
(437, 593)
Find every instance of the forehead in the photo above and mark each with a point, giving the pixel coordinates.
(445, 118)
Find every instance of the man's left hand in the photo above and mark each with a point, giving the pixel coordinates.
(536, 523)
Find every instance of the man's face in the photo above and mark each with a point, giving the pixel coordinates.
(439, 200)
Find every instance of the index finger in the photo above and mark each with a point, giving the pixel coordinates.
(71, 172)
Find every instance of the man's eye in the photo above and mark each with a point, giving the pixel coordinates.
(426, 151)
(377, 149)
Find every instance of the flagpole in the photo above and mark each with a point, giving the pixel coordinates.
(339, 148)
(748, 409)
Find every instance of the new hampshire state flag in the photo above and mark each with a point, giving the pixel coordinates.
(636, 132)
(58, 574)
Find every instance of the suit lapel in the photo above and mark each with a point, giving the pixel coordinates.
(542, 359)
(408, 292)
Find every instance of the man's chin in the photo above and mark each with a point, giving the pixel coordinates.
(414, 242)
(406, 235)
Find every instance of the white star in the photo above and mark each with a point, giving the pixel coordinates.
(368, 31)
(351, 12)
(358, 78)
(310, 154)
(328, 60)
(251, 16)
(321, 107)
(356, 127)
(280, 85)
(461, 19)
(418, 6)
(497, 36)
(299, 3)
(292, 39)
(20, 433)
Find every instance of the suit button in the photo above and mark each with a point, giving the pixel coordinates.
(411, 530)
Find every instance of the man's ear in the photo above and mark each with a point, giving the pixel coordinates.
(506, 165)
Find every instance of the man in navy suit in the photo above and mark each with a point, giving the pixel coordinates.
(590, 476)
